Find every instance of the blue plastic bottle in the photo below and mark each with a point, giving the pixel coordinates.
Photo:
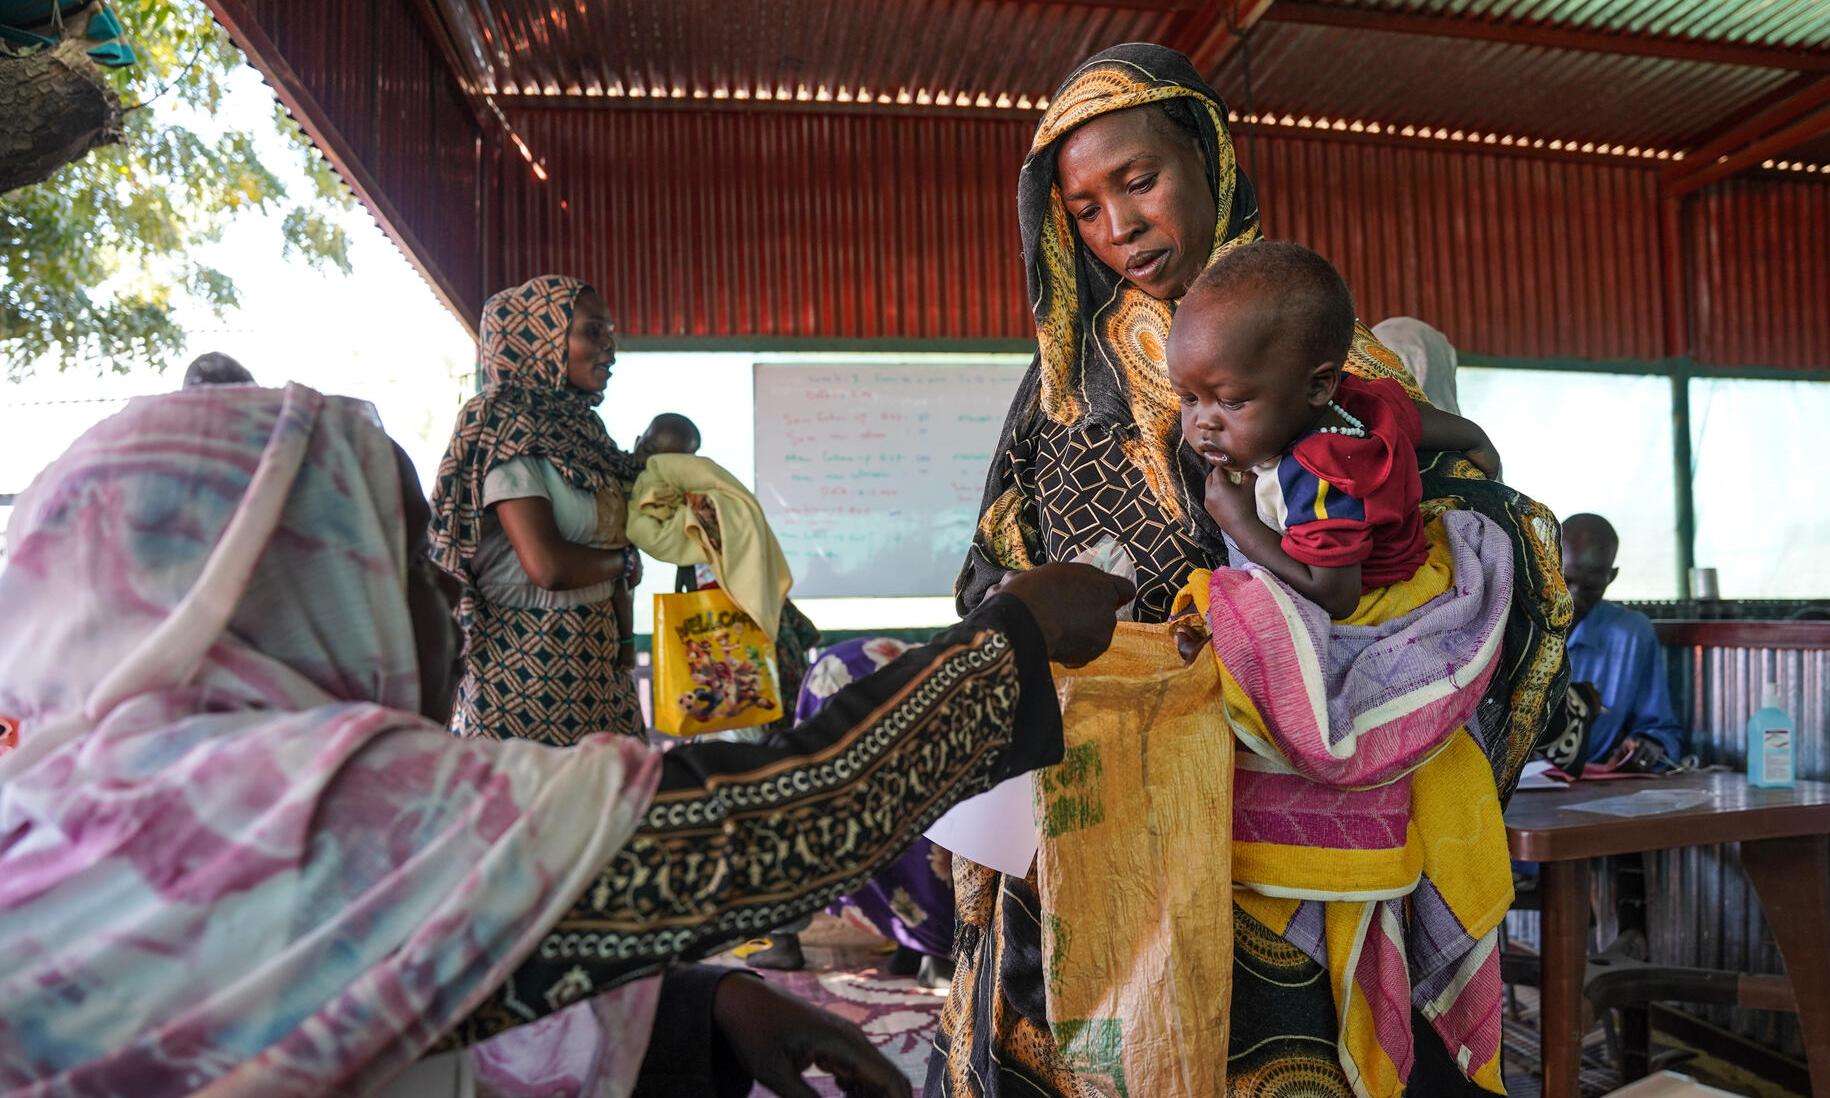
(1770, 746)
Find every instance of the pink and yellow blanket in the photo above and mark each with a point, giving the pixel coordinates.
(1366, 827)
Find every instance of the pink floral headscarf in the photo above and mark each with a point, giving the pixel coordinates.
(232, 858)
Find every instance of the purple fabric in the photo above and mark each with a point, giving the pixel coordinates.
(1317, 683)
(1437, 943)
(911, 902)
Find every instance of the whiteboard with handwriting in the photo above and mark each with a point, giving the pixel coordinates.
(872, 474)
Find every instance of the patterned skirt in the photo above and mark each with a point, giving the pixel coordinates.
(544, 675)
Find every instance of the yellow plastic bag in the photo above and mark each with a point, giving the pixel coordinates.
(714, 667)
(1135, 872)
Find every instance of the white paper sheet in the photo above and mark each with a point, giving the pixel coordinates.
(1646, 802)
(1537, 776)
(996, 829)
(1668, 1084)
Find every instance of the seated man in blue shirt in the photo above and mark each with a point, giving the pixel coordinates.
(1615, 649)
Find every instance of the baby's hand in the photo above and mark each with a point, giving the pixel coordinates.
(707, 516)
(1231, 502)
(1191, 635)
(1485, 458)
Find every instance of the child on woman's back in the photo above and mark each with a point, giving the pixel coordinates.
(1312, 472)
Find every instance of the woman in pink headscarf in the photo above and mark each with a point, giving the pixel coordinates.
(239, 853)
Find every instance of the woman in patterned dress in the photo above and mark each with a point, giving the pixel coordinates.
(1130, 189)
(528, 512)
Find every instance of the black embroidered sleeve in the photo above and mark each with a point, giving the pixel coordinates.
(742, 838)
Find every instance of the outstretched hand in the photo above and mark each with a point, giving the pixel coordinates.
(776, 1037)
(1075, 605)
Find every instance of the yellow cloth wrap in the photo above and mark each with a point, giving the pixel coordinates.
(748, 561)
(1456, 837)
(1458, 840)
(1133, 872)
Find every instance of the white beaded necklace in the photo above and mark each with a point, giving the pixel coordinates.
(1354, 428)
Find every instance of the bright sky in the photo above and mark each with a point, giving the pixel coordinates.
(378, 333)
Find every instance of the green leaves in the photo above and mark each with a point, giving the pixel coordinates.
(96, 261)
(315, 239)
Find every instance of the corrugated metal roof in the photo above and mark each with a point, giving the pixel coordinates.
(942, 55)
(708, 222)
(717, 49)
(1493, 87)
(403, 136)
(1785, 23)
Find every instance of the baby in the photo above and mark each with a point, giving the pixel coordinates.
(668, 433)
(1312, 471)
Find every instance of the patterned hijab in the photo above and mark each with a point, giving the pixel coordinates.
(527, 409)
(1100, 340)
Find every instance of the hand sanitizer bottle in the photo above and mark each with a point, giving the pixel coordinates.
(1770, 744)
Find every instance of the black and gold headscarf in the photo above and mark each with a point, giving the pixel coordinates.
(1100, 341)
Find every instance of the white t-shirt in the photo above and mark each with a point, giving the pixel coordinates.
(582, 518)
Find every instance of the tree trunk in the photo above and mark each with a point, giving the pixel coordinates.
(55, 105)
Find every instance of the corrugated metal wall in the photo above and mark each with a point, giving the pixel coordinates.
(1701, 910)
(707, 223)
(384, 86)
(782, 224)
(1508, 255)
(704, 223)
(1761, 257)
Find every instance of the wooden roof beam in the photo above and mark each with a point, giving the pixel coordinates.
(1210, 33)
(1776, 143)
(1126, 5)
(1805, 96)
(1550, 36)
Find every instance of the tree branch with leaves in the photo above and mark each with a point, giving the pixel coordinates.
(97, 260)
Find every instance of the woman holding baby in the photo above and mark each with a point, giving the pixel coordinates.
(1129, 193)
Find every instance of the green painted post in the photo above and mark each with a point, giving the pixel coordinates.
(1682, 472)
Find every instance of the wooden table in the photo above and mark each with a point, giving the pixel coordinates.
(1785, 849)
